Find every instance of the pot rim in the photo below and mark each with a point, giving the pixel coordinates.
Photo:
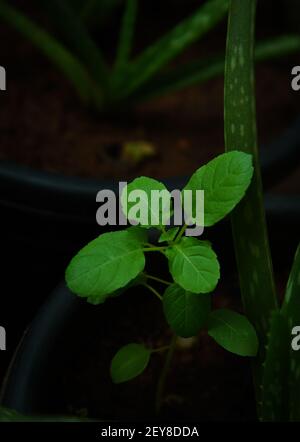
(35, 190)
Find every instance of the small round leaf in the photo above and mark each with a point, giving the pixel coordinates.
(185, 312)
(129, 362)
(194, 265)
(233, 332)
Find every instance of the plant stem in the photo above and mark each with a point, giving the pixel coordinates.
(248, 219)
(149, 287)
(154, 278)
(181, 233)
(164, 373)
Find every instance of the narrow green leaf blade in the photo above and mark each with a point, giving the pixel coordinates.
(275, 391)
(224, 180)
(249, 227)
(291, 311)
(129, 362)
(57, 53)
(141, 202)
(172, 44)
(233, 332)
(126, 36)
(106, 264)
(194, 265)
(186, 313)
(78, 38)
(198, 72)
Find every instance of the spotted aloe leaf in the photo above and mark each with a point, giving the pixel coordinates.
(248, 218)
(275, 394)
(291, 311)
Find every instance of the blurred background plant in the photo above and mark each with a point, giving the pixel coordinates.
(110, 86)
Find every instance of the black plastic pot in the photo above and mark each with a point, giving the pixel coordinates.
(56, 210)
(29, 388)
(46, 218)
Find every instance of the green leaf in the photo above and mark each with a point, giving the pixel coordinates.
(9, 415)
(291, 311)
(139, 280)
(275, 391)
(172, 44)
(141, 210)
(126, 36)
(249, 227)
(186, 312)
(57, 53)
(78, 38)
(169, 235)
(106, 264)
(233, 332)
(224, 180)
(200, 71)
(194, 265)
(129, 362)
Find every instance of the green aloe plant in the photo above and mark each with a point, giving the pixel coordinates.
(128, 79)
(276, 369)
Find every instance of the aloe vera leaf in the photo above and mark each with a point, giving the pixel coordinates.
(79, 39)
(291, 310)
(126, 36)
(57, 53)
(171, 45)
(198, 72)
(248, 219)
(275, 392)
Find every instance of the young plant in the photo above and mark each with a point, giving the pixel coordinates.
(276, 368)
(128, 80)
(116, 261)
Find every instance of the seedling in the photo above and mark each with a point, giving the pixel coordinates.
(127, 80)
(116, 261)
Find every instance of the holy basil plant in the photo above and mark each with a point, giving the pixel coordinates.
(114, 261)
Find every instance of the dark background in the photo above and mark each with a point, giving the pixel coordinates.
(31, 269)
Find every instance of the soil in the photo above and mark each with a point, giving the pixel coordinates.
(44, 125)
